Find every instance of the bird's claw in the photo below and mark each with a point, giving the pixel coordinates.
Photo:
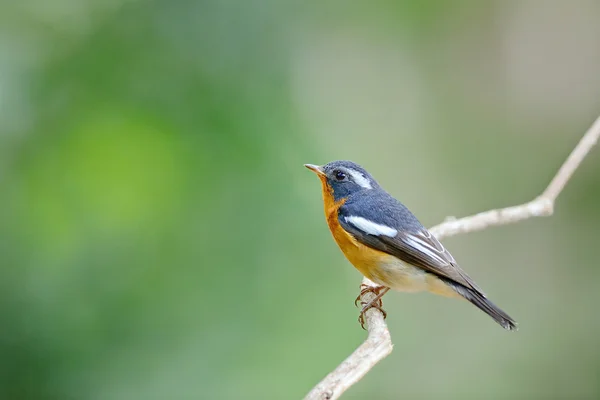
(366, 289)
(376, 303)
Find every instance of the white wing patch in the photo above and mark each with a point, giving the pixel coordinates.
(425, 248)
(360, 179)
(371, 227)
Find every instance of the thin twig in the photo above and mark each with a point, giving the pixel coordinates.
(539, 207)
(378, 344)
(575, 158)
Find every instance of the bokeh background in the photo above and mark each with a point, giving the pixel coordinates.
(160, 239)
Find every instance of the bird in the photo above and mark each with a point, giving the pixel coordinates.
(387, 244)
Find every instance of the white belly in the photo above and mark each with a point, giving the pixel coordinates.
(401, 276)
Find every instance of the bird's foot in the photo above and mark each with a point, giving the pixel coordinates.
(378, 306)
(366, 289)
(376, 303)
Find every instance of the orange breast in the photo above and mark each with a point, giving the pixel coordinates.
(364, 258)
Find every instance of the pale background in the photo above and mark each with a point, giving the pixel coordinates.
(160, 239)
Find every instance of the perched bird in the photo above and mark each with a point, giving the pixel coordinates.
(387, 243)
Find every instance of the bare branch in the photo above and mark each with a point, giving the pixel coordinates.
(539, 207)
(575, 158)
(378, 344)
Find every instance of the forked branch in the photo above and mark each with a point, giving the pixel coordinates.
(378, 344)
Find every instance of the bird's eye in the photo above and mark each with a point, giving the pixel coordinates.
(339, 175)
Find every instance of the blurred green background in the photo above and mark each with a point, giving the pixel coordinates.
(160, 239)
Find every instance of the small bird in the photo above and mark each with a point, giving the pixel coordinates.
(388, 245)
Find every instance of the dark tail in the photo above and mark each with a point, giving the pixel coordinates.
(479, 300)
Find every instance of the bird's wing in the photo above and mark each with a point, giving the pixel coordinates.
(409, 241)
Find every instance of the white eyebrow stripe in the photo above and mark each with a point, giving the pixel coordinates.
(425, 248)
(360, 179)
(371, 227)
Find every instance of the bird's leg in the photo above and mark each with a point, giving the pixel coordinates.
(366, 289)
(375, 303)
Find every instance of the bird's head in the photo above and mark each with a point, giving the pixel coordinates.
(344, 178)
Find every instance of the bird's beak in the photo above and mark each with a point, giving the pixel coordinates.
(316, 169)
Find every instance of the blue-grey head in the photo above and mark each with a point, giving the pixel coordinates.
(344, 178)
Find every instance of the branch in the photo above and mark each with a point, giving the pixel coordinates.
(539, 207)
(378, 344)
